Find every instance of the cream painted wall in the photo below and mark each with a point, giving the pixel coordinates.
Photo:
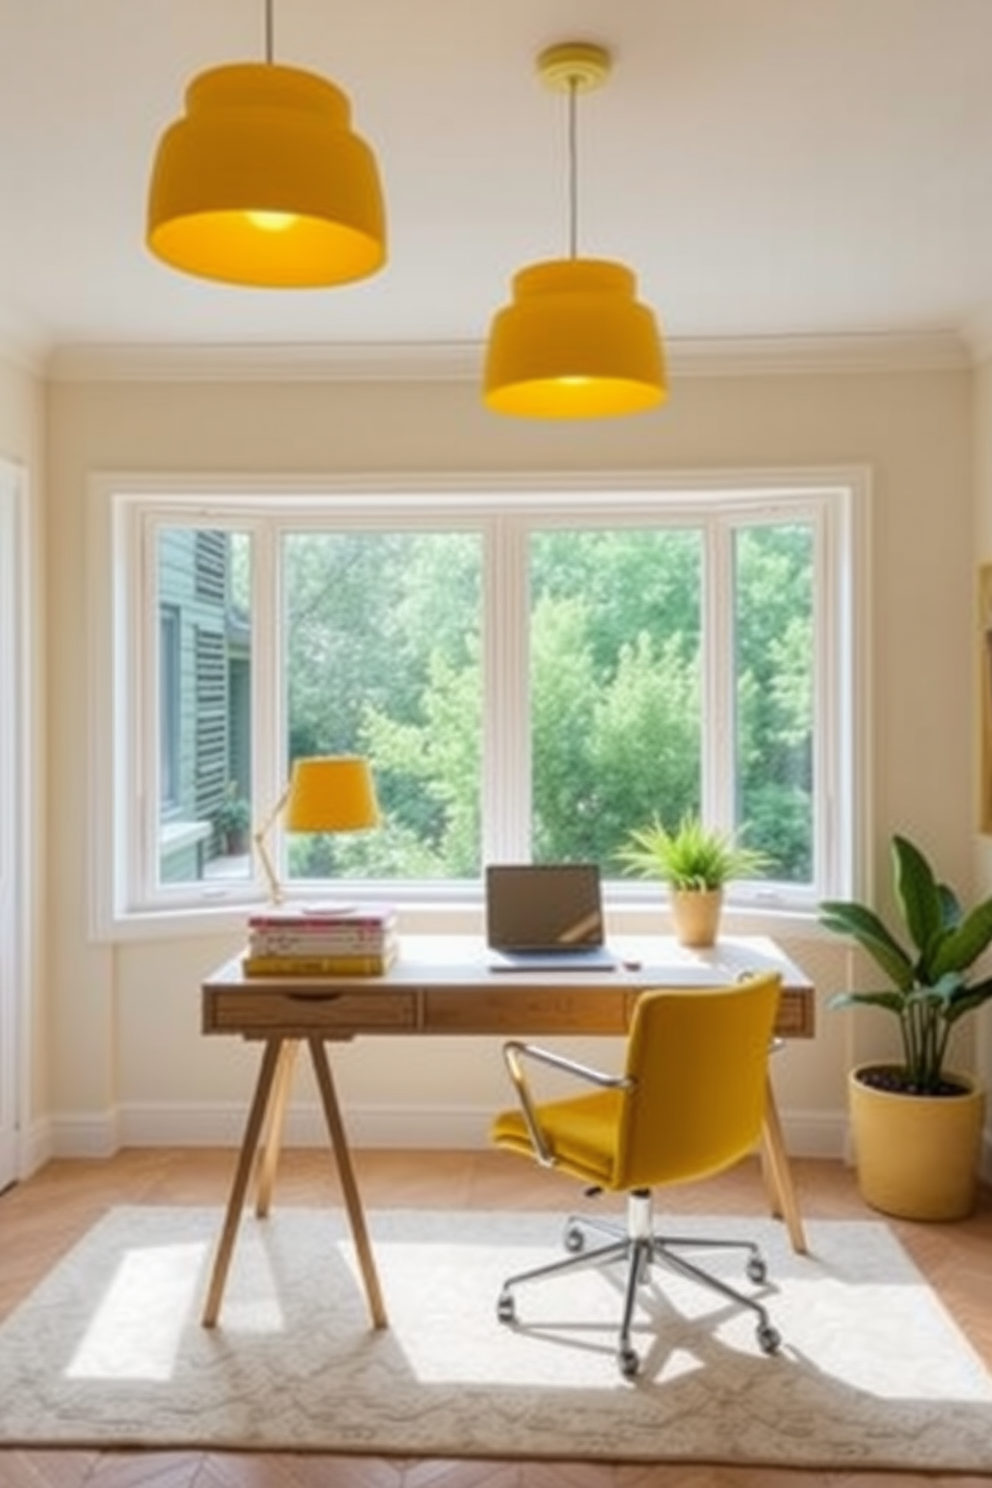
(21, 414)
(22, 442)
(983, 554)
(127, 1059)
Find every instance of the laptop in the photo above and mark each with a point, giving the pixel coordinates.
(545, 917)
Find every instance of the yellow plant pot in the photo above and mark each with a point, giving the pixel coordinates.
(917, 1156)
(696, 916)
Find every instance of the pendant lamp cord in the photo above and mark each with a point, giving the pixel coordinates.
(573, 171)
(269, 49)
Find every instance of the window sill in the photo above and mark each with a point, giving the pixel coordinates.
(452, 916)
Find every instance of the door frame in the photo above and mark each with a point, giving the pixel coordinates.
(16, 792)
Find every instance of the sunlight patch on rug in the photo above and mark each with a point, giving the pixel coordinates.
(109, 1348)
(137, 1326)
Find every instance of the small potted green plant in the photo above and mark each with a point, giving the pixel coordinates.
(232, 821)
(697, 862)
(916, 1125)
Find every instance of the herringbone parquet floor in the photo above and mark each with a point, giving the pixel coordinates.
(43, 1217)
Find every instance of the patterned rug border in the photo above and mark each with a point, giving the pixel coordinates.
(706, 1396)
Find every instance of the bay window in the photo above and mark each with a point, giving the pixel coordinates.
(532, 673)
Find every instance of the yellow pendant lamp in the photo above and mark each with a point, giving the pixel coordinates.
(262, 181)
(575, 342)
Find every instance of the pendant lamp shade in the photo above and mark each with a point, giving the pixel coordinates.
(574, 343)
(262, 182)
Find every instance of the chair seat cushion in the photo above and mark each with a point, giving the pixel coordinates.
(581, 1134)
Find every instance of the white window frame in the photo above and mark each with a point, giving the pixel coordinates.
(123, 511)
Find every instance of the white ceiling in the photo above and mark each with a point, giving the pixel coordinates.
(768, 167)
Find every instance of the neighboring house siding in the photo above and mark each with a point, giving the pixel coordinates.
(193, 578)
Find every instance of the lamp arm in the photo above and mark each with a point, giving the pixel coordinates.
(264, 857)
(514, 1053)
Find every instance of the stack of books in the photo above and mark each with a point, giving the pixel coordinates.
(358, 940)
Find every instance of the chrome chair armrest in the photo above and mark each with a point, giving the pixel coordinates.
(514, 1054)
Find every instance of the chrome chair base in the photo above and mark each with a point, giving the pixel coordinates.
(639, 1247)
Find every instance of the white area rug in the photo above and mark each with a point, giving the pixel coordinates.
(109, 1349)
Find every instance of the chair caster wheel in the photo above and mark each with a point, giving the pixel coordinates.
(629, 1363)
(769, 1339)
(757, 1271)
(505, 1309)
(575, 1240)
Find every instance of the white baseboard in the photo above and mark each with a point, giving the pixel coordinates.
(78, 1135)
(36, 1148)
(807, 1134)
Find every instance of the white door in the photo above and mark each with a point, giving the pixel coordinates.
(13, 788)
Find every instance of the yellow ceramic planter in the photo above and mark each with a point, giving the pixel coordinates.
(917, 1156)
(696, 915)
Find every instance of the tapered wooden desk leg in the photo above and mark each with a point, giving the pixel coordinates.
(778, 1175)
(242, 1176)
(269, 1159)
(352, 1197)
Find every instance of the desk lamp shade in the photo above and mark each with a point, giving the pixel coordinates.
(332, 793)
(326, 793)
(262, 182)
(574, 342)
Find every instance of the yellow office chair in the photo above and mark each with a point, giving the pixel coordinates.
(689, 1104)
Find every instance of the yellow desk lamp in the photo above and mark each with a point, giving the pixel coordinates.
(326, 793)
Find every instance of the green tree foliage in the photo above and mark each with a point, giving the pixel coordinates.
(437, 764)
(646, 740)
(381, 661)
(615, 705)
(563, 702)
(774, 630)
(384, 636)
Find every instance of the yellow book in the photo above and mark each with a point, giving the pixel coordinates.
(317, 966)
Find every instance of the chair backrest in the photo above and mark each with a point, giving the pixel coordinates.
(699, 1062)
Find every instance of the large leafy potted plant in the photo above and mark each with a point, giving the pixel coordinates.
(696, 862)
(917, 1125)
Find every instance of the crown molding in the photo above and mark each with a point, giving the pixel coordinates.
(462, 361)
(875, 352)
(258, 362)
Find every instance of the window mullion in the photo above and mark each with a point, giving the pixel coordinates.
(837, 688)
(506, 787)
(144, 662)
(268, 688)
(717, 683)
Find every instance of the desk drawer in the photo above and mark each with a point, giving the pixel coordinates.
(796, 1016)
(529, 1011)
(310, 1010)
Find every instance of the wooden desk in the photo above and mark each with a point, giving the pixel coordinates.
(441, 985)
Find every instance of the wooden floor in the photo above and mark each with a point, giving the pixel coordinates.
(43, 1217)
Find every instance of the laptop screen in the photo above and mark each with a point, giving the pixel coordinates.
(543, 906)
